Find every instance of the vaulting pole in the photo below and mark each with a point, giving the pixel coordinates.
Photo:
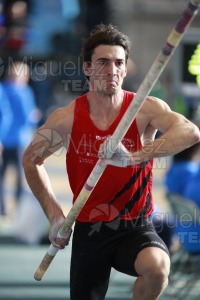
(146, 86)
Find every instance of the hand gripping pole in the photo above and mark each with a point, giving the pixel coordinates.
(146, 86)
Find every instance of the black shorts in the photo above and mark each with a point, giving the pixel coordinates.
(98, 247)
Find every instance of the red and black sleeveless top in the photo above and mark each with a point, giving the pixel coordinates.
(124, 193)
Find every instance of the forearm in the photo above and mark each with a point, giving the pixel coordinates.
(170, 143)
(39, 184)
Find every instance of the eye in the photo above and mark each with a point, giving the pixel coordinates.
(102, 62)
(120, 63)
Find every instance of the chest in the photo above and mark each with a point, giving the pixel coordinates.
(103, 122)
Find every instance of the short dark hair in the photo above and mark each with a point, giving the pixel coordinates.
(104, 35)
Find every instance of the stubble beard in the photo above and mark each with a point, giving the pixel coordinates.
(102, 88)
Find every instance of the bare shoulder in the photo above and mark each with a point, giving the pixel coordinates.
(62, 118)
(58, 126)
(155, 114)
(51, 136)
(160, 116)
(152, 105)
(151, 109)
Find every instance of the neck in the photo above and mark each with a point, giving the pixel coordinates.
(99, 102)
(104, 110)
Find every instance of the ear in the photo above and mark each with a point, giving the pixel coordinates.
(87, 68)
(125, 72)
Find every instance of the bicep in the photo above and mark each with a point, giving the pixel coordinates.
(162, 118)
(42, 146)
(154, 116)
(169, 121)
(48, 139)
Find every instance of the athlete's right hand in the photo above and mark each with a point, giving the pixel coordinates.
(120, 158)
(58, 242)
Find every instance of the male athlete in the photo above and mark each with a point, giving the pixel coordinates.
(114, 228)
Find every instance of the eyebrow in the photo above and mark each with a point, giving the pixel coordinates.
(107, 59)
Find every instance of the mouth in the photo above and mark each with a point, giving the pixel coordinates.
(111, 82)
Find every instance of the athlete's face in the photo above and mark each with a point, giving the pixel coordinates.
(107, 69)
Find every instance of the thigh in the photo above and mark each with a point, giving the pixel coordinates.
(136, 240)
(90, 268)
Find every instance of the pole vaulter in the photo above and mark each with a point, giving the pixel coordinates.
(146, 86)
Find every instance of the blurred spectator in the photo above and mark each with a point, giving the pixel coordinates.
(163, 223)
(16, 26)
(192, 189)
(2, 22)
(21, 119)
(5, 121)
(182, 183)
(184, 167)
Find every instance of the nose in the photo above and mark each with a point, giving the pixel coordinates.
(112, 69)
